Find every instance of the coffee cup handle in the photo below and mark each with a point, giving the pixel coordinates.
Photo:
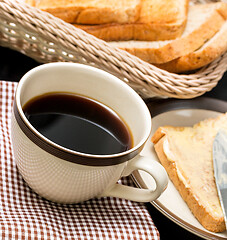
(153, 168)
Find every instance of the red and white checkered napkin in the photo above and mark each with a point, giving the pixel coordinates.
(25, 215)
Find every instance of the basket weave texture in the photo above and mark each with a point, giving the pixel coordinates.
(46, 38)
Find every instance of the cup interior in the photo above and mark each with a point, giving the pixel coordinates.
(93, 83)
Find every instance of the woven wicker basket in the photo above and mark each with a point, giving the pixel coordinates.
(46, 38)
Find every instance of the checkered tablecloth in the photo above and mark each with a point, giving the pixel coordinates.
(25, 215)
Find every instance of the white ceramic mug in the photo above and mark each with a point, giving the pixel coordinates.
(62, 175)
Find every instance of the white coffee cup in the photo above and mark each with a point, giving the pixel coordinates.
(66, 176)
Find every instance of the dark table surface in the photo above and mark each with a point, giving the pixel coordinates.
(13, 65)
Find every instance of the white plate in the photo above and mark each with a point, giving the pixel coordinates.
(170, 202)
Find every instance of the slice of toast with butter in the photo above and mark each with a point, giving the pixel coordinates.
(186, 154)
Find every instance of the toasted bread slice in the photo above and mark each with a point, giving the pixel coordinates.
(210, 51)
(204, 20)
(186, 154)
(91, 11)
(158, 20)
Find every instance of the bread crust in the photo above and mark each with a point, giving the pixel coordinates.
(135, 31)
(158, 20)
(213, 49)
(91, 11)
(209, 221)
(180, 46)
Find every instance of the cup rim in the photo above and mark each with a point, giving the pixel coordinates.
(68, 154)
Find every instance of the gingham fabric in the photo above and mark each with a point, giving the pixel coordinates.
(25, 215)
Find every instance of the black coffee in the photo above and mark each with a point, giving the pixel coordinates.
(78, 123)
